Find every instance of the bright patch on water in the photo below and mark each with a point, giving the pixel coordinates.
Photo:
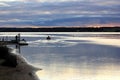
(73, 56)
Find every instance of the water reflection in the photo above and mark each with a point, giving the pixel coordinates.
(78, 62)
(79, 56)
(104, 72)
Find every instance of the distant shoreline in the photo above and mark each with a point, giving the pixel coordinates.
(62, 29)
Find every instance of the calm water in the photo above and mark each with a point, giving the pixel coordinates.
(73, 56)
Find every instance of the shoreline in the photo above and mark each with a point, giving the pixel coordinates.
(62, 29)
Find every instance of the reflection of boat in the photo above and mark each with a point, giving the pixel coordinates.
(48, 38)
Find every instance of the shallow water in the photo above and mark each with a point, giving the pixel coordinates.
(72, 56)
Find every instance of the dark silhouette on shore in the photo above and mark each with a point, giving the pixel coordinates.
(10, 60)
(16, 40)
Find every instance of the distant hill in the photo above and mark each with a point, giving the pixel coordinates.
(62, 29)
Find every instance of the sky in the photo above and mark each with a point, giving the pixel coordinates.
(69, 13)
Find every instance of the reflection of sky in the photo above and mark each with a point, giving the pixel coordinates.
(74, 56)
(85, 61)
(33, 13)
(71, 57)
(67, 73)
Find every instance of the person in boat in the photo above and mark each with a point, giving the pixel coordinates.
(23, 39)
(48, 38)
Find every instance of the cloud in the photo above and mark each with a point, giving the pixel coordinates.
(4, 5)
(7, 0)
(44, 12)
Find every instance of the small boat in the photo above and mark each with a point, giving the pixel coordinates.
(48, 38)
(22, 42)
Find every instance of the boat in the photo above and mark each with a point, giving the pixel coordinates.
(48, 38)
(22, 42)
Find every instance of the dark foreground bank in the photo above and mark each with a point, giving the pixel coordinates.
(14, 66)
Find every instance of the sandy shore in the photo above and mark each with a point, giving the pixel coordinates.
(15, 67)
